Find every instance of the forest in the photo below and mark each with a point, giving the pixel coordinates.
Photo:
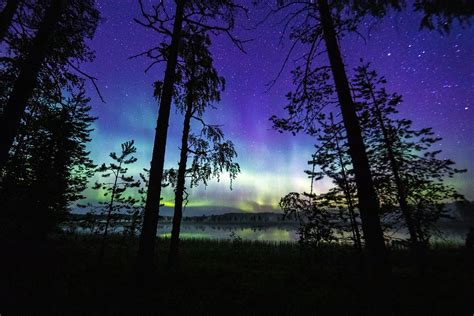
(82, 232)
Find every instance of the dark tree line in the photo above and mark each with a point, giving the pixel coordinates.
(26, 81)
(45, 120)
(49, 55)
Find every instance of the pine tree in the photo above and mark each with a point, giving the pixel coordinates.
(333, 159)
(205, 16)
(403, 155)
(135, 212)
(367, 198)
(200, 87)
(116, 191)
(324, 23)
(378, 106)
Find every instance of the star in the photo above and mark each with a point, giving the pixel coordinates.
(426, 81)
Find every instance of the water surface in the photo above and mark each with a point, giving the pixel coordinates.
(228, 232)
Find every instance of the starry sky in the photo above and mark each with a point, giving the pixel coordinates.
(434, 73)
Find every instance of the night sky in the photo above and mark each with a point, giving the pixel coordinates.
(434, 73)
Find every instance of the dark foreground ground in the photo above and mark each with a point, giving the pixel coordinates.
(63, 276)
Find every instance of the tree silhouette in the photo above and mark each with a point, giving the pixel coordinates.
(24, 85)
(388, 141)
(440, 15)
(368, 203)
(48, 162)
(324, 23)
(333, 159)
(317, 224)
(135, 213)
(43, 57)
(199, 88)
(49, 165)
(314, 22)
(403, 155)
(116, 190)
(378, 106)
(436, 15)
(203, 16)
(6, 16)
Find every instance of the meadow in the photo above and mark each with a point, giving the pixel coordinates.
(226, 277)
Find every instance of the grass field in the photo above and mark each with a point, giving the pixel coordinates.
(64, 276)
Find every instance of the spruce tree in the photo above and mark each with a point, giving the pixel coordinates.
(49, 165)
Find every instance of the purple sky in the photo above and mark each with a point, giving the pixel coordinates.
(434, 73)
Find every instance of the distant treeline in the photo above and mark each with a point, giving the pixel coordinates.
(460, 212)
(240, 218)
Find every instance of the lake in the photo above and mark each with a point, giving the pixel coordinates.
(264, 233)
(287, 233)
(273, 233)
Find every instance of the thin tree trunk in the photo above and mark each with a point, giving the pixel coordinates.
(6, 17)
(347, 193)
(396, 173)
(27, 79)
(178, 204)
(146, 247)
(355, 226)
(380, 269)
(109, 214)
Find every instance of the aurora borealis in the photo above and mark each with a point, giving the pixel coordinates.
(434, 73)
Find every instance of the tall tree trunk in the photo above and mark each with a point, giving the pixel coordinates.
(380, 269)
(396, 172)
(178, 203)
(27, 79)
(6, 17)
(146, 247)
